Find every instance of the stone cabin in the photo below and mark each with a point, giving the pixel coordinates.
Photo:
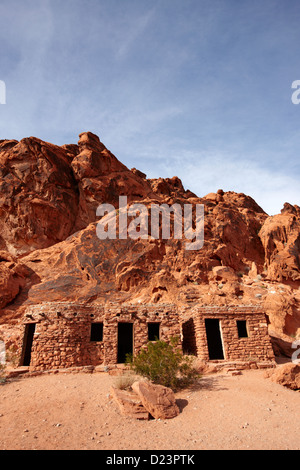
(65, 334)
(235, 333)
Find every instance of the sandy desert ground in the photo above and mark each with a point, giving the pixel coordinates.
(76, 412)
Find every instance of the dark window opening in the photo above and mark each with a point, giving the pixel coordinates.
(242, 328)
(214, 340)
(153, 331)
(27, 345)
(97, 332)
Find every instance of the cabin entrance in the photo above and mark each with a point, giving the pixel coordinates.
(125, 341)
(189, 344)
(27, 345)
(214, 339)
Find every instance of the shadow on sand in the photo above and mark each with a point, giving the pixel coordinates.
(208, 382)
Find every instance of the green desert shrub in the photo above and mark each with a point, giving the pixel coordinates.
(164, 364)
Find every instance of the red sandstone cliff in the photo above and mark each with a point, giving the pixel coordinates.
(50, 250)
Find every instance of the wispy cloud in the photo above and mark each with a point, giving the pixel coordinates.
(206, 172)
(195, 88)
(132, 31)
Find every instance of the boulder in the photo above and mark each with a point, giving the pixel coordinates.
(287, 375)
(157, 399)
(129, 404)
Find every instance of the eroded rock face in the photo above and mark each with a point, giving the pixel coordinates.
(102, 178)
(12, 278)
(38, 197)
(280, 236)
(48, 201)
(48, 192)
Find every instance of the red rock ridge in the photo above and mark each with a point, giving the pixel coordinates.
(50, 250)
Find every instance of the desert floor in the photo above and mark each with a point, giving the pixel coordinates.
(76, 412)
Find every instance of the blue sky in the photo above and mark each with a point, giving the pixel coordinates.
(200, 89)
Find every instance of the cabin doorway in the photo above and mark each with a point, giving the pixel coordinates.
(27, 345)
(214, 339)
(125, 341)
(189, 345)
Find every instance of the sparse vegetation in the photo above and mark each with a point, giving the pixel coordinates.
(163, 363)
(125, 381)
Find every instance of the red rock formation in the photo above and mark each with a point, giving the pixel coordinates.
(12, 278)
(280, 236)
(38, 197)
(48, 192)
(48, 201)
(129, 404)
(101, 178)
(287, 375)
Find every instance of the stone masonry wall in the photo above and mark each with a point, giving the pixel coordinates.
(62, 335)
(140, 315)
(257, 346)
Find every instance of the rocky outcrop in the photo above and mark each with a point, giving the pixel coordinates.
(48, 192)
(12, 278)
(287, 375)
(282, 344)
(51, 252)
(102, 178)
(280, 236)
(38, 196)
